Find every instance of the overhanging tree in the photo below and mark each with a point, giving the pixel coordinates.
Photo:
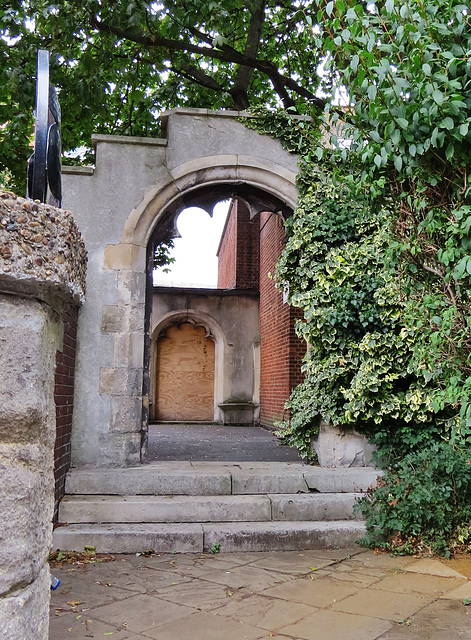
(119, 64)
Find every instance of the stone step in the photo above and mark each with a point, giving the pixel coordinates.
(231, 508)
(196, 538)
(313, 506)
(237, 478)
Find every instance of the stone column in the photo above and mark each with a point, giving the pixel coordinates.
(42, 265)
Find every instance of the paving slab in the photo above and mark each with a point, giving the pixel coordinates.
(266, 613)
(314, 591)
(200, 594)
(433, 567)
(440, 620)
(294, 562)
(77, 591)
(360, 579)
(336, 625)
(251, 577)
(255, 596)
(78, 626)
(205, 626)
(375, 603)
(419, 583)
(463, 592)
(142, 613)
(143, 580)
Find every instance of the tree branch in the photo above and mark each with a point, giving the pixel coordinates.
(198, 76)
(244, 73)
(224, 54)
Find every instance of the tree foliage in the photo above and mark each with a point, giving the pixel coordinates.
(119, 64)
(406, 68)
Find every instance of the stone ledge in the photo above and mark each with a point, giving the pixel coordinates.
(135, 140)
(41, 250)
(83, 171)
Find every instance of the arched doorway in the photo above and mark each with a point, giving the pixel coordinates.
(185, 374)
(255, 219)
(163, 176)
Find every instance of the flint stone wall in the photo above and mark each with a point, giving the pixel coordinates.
(42, 267)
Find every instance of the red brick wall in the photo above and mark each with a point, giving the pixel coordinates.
(238, 254)
(64, 399)
(248, 248)
(281, 351)
(248, 252)
(227, 251)
(297, 351)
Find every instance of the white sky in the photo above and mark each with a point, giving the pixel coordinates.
(196, 262)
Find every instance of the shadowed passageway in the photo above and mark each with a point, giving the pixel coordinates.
(216, 443)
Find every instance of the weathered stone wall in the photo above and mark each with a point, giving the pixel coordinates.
(136, 186)
(42, 266)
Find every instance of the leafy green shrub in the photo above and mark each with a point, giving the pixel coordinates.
(421, 503)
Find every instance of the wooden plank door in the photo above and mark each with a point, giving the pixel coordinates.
(185, 374)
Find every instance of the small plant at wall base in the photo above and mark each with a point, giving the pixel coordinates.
(422, 504)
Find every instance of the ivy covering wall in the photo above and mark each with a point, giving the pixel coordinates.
(378, 257)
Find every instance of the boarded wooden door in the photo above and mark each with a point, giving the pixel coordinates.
(185, 374)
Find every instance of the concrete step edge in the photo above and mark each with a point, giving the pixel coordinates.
(196, 538)
(165, 509)
(220, 480)
(241, 508)
(245, 508)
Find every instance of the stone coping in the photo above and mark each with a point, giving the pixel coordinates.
(135, 140)
(41, 250)
(77, 170)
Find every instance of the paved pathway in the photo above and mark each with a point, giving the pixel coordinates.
(321, 595)
(212, 442)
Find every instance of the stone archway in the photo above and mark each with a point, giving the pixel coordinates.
(203, 155)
